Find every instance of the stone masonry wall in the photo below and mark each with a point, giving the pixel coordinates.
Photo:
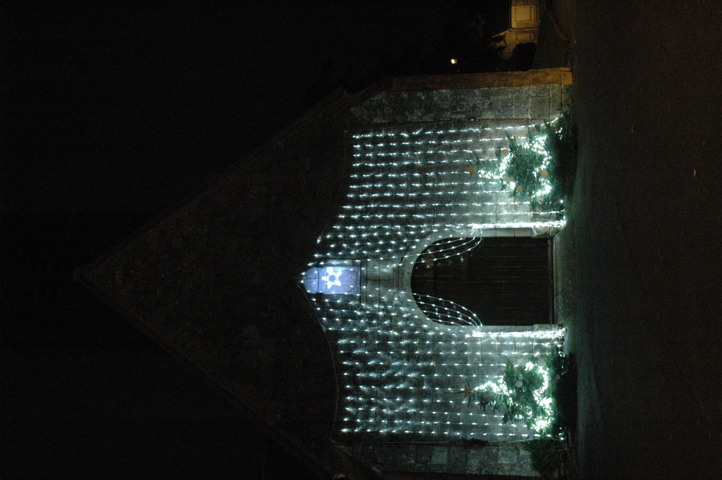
(530, 98)
(533, 102)
(460, 458)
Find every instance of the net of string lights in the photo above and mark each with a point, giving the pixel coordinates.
(403, 359)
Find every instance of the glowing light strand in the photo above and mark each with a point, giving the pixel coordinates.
(403, 376)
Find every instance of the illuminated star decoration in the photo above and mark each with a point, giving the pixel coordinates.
(331, 278)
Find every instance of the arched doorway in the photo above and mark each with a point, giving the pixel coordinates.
(502, 280)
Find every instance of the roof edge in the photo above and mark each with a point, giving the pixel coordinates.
(544, 76)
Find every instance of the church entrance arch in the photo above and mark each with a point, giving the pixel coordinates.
(492, 280)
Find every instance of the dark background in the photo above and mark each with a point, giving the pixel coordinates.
(113, 114)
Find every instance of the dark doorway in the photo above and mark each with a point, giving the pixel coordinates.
(505, 281)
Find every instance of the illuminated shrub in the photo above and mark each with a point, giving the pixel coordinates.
(527, 393)
(542, 167)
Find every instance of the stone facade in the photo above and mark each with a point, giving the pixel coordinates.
(533, 102)
(213, 281)
(398, 371)
(460, 458)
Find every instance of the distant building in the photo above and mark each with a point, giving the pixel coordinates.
(524, 23)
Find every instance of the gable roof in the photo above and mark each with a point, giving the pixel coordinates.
(213, 280)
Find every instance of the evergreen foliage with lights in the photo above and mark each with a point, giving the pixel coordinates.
(529, 393)
(541, 168)
(544, 397)
(523, 393)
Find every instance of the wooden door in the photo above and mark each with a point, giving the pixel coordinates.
(505, 281)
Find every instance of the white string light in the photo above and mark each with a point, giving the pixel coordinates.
(400, 373)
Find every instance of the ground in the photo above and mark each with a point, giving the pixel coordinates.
(643, 243)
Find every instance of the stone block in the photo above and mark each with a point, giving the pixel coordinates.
(440, 455)
(429, 116)
(539, 107)
(523, 232)
(457, 459)
(555, 99)
(368, 452)
(473, 461)
(567, 91)
(503, 92)
(516, 469)
(508, 454)
(481, 104)
(355, 448)
(442, 97)
(500, 107)
(524, 463)
(482, 460)
(383, 455)
(504, 232)
(489, 460)
(399, 457)
(408, 457)
(537, 90)
(521, 106)
(423, 458)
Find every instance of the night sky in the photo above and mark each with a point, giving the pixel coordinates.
(111, 115)
(113, 108)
